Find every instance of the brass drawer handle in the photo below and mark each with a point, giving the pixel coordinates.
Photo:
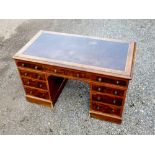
(98, 98)
(36, 67)
(98, 108)
(28, 82)
(55, 70)
(23, 65)
(114, 101)
(25, 74)
(99, 79)
(112, 110)
(117, 82)
(99, 89)
(39, 77)
(40, 85)
(30, 92)
(77, 75)
(115, 92)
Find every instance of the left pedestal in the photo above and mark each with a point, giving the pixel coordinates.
(39, 88)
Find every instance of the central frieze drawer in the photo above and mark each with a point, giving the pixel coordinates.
(55, 70)
(65, 72)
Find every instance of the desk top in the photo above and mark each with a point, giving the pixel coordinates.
(81, 52)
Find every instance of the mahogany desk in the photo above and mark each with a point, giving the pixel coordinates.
(49, 59)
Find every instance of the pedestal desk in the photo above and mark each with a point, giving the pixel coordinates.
(50, 58)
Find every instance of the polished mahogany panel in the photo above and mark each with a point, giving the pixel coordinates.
(81, 50)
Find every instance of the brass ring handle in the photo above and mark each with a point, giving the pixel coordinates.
(77, 75)
(23, 65)
(55, 70)
(31, 92)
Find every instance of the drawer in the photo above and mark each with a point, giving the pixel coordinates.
(106, 109)
(103, 89)
(29, 65)
(33, 75)
(34, 83)
(77, 74)
(37, 93)
(107, 99)
(66, 72)
(101, 79)
(55, 70)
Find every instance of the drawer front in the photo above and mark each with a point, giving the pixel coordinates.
(37, 93)
(29, 65)
(33, 75)
(101, 79)
(107, 99)
(77, 74)
(105, 109)
(66, 72)
(34, 83)
(55, 70)
(103, 89)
